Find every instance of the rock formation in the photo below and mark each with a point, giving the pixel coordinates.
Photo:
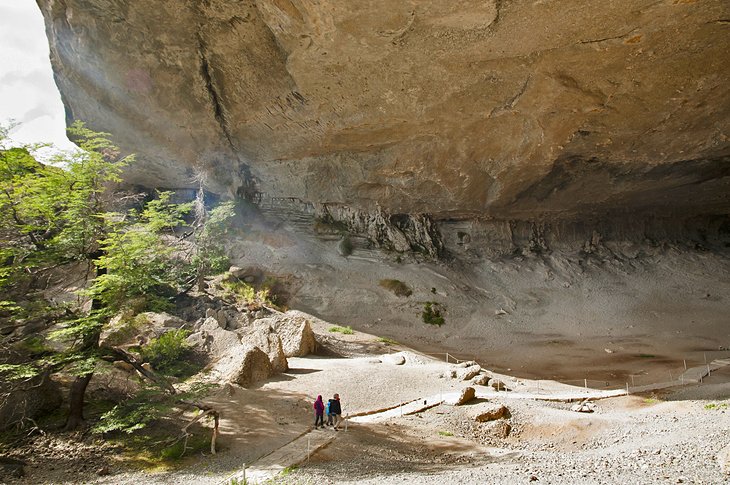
(496, 108)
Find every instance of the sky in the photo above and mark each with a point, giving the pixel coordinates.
(28, 93)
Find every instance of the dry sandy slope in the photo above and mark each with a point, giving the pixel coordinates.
(561, 309)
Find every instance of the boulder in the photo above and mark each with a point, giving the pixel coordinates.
(212, 339)
(244, 365)
(498, 385)
(490, 412)
(163, 319)
(468, 372)
(480, 380)
(295, 331)
(254, 366)
(263, 337)
(125, 329)
(467, 394)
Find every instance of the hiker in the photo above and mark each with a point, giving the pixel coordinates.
(336, 411)
(328, 413)
(318, 412)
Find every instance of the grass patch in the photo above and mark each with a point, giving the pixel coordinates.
(196, 444)
(446, 433)
(397, 287)
(651, 400)
(288, 470)
(433, 313)
(647, 356)
(714, 406)
(247, 295)
(343, 330)
(387, 341)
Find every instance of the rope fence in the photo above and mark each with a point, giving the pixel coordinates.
(694, 370)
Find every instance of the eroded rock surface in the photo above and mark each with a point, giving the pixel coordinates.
(500, 108)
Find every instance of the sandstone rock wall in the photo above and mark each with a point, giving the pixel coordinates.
(491, 107)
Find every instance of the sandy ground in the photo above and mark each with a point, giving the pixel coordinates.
(660, 438)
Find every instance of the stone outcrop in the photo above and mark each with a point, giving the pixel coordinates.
(215, 341)
(510, 110)
(295, 331)
(467, 370)
(244, 365)
(265, 338)
(467, 394)
(490, 412)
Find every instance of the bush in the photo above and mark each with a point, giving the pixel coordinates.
(343, 330)
(397, 287)
(345, 247)
(433, 313)
(246, 294)
(387, 341)
(170, 354)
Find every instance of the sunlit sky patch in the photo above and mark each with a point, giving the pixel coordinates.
(28, 94)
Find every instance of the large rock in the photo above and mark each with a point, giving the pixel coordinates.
(513, 109)
(126, 329)
(465, 373)
(244, 365)
(489, 412)
(263, 337)
(467, 394)
(212, 339)
(295, 331)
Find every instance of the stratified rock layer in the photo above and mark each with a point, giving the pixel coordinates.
(497, 107)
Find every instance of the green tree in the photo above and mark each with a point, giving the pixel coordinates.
(53, 214)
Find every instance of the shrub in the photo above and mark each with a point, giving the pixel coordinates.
(397, 287)
(343, 330)
(246, 294)
(446, 433)
(433, 313)
(387, 341)
(344, 247)
(170, 354)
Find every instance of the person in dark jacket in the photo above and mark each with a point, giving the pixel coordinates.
(318, 412)
(336, 410)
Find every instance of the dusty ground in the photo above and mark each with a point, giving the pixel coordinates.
(663, 438)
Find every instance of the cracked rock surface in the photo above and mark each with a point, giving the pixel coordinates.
(491, 107)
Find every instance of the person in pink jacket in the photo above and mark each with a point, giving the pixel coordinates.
(318, 412)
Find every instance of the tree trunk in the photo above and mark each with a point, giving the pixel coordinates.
(76, 402)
